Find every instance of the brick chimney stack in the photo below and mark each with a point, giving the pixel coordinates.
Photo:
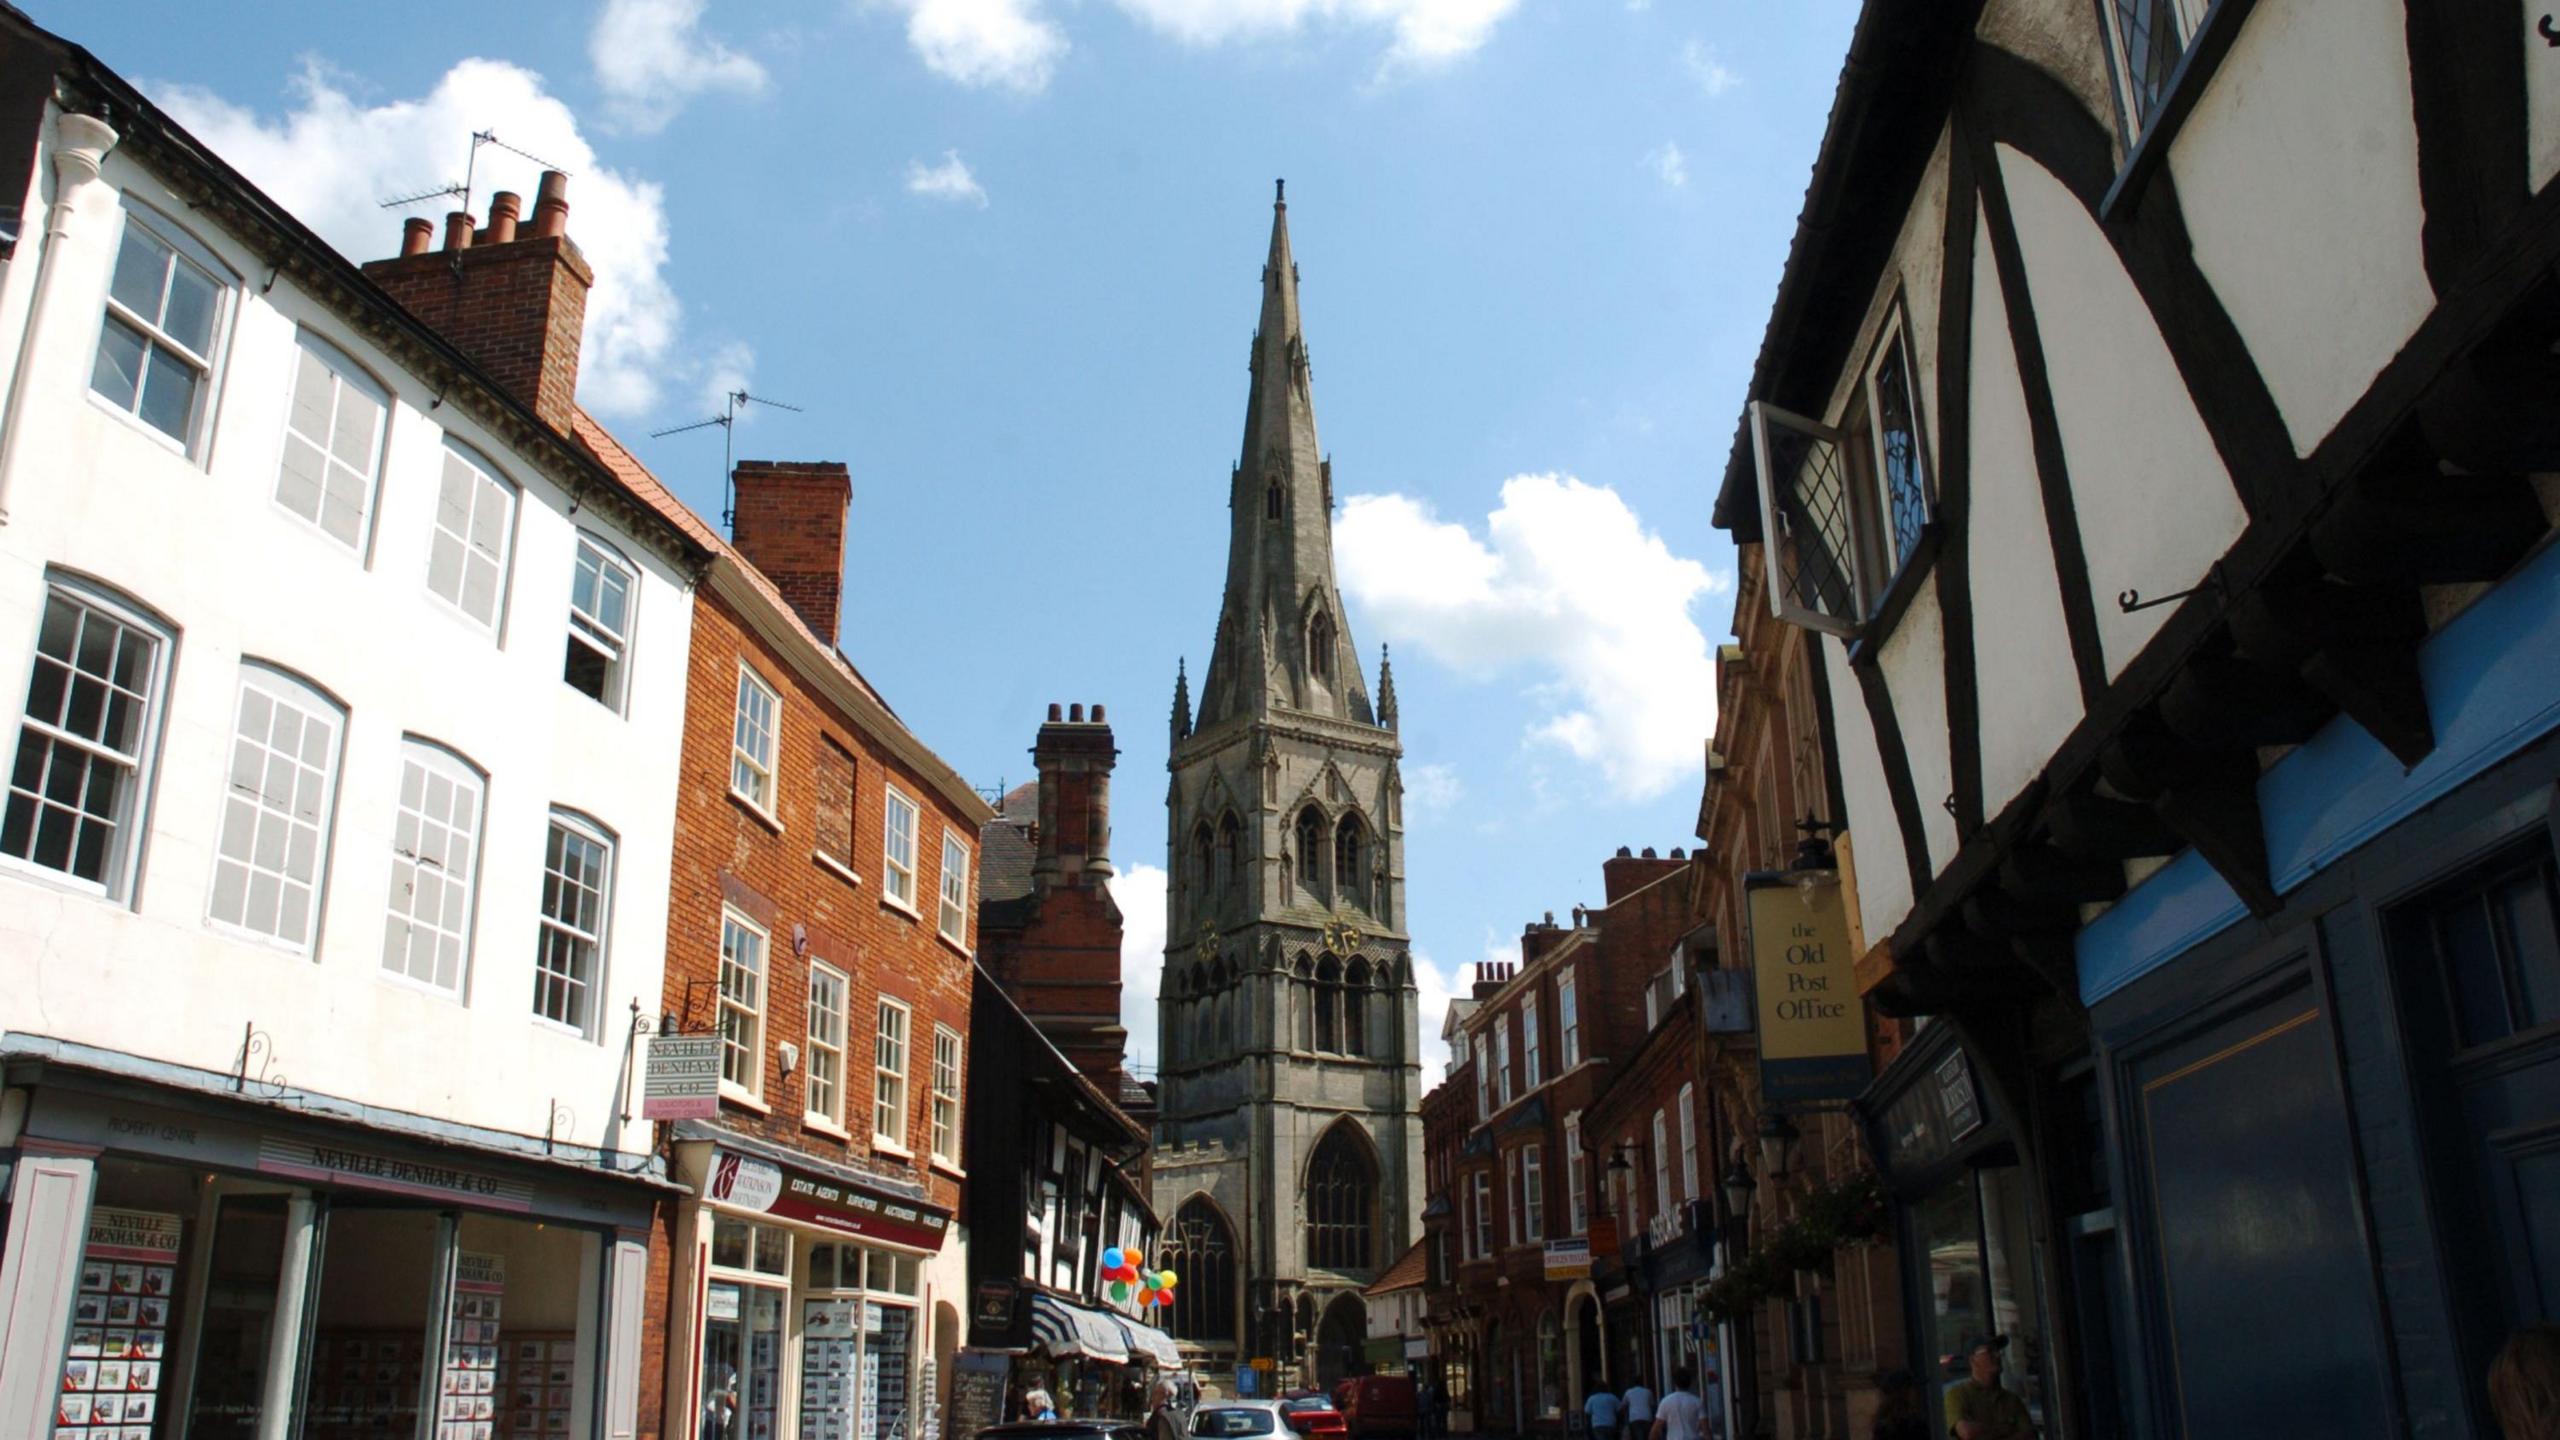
(1073, 756)
(512, 301)
(790, 524)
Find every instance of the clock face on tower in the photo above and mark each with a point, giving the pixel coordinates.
(1341, 937)
(1206, 945)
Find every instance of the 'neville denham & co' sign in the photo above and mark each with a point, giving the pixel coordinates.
(1813, 1026)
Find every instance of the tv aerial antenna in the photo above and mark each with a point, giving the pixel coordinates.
(736, 405)
(470, 172)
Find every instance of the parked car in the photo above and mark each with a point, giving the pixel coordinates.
(1096, 1429)
(1309, 1413)
(1374, 1405)
(1236, 1419)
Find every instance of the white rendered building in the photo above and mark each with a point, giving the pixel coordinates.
(344, 695)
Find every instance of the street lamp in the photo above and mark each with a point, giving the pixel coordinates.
(1778, 1137)
(1738, 1186)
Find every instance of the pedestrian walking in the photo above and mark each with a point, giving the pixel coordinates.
(1681, 1415)
(1978, 1408)
(2524, 1384)
(1901, 1413)
(1636, 1408)
(1602, 1407)
(1425, 1400)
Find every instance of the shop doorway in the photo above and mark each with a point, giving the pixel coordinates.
(236, 1334)
(366, 1364)
(1590, 1370)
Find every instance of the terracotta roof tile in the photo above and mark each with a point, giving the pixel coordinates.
(1408, 1273)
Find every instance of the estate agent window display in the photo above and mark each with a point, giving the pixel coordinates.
(807, 1337)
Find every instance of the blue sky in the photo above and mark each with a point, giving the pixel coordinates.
(1004, 253)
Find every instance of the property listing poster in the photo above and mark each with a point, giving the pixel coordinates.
(112, 1364)
(467, 1399)
(830, 1340)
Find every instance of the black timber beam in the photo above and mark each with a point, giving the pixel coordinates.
(2355, 644)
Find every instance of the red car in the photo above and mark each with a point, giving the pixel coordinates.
(1310, 1414)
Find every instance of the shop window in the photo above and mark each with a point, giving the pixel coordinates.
(435, 865)
(78, 787)
(274, 844)
(577, 877)
(744, 1245)
(742, 946)
(741, 1360)
(373, 1321)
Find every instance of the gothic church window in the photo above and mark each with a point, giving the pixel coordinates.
(1203, 875)
(1328, 1006)
(1311, 850)
(1355, 1010)
(1342, 1198)
(1347, 870)
(1320, 646)
(1202, 1250)
(1271, 501)
(1229, 872)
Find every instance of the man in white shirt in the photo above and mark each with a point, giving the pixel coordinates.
(1638, 1402)
(1681, 1415)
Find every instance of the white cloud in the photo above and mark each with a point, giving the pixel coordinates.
(1003, 43)
(949, 180)
(1666, 161)
(1139, 892)
(1425, 31)
(1712, 74)
(1568, 586)
(331, 161)
(1432, 789)
(1432, 991)
(651, 57)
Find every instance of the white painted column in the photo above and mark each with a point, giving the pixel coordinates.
(284, 1341)
(626, 1319)
(39, 1270)
(81, 143)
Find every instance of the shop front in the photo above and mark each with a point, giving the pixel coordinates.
(1970, 1267)
(1094, 1362)
(807, 1300)
(187, 1261)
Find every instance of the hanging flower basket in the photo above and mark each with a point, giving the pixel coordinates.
(1830, 1218)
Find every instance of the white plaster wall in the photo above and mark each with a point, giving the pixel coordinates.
(2155, 503)
(205, 545)
(1884, 876)
(1915, 275)
(2542, 101)
(1914, 661)
(2061, 38)
(2030, 695)
(2298, 174)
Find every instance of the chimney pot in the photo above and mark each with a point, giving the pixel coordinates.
(1097, 714)
(1056, 713)
(416, 234)
(1649, 855)
(1625, 854)
(1075, 713)
(502, 216)
(551, 204)
(457, 230)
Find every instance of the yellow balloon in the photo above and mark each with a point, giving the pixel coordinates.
(1165, 1280)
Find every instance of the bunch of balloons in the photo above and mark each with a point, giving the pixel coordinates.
(1120, 1271)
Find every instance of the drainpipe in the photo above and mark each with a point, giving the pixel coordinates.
(81, 143)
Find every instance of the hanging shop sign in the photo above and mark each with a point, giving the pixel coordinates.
(1813, 1026)
(745, 1182)
(111, 1364)
(1569, 1259)
(992, 1304)
(682, 1078)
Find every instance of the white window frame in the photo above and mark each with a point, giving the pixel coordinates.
(1569, 1020)
(742, 1041)
(953, 922)
(1511, 1193)
(1484, 1082)
(1661, 1163)
(950, 1054)
(1872, 561)
(1577, 1204)
(276, 689)
(1502, 1059)
(1532, 1053)
(1533, 1193)
(2189, 15)
(588, 629)
(486, 479)
(132, 803)
(898, 878)
(1483, 1228)
(890, 1072)
(755, 741)
(186, 250)
(424, 840)
(1689, 1139)
(824, 1046)
(598, 940)
(345, 373)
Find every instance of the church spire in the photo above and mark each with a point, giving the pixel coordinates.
(1283, 642)
(1386, 689)
(1181, 703)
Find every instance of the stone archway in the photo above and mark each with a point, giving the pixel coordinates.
(1342, 1340)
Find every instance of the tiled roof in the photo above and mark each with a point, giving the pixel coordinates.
(1408, 1273)
(1006, 850)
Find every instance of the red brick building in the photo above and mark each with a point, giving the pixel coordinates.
(1515, 1163)
(821, 925)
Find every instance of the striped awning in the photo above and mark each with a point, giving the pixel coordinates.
(1146, 1342)
(1062, 1328)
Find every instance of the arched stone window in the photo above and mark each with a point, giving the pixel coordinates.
(1328, 1005)
(1311, 851)
(1202, 1250)
(1355, 1009)
(1349, 853)
(1230, 868)
(1304, 989)
(1271, 501)
(1320, 646)
(1204, 878)
(1342, 1203)
(1205, 1017)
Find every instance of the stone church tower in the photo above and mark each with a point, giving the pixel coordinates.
(1288, 1164)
